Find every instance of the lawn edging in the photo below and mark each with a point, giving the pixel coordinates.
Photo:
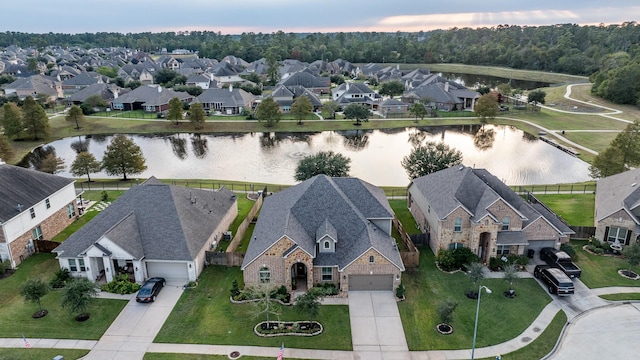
(283, 324)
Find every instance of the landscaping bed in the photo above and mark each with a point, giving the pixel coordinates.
(291, 328)
(601, 271)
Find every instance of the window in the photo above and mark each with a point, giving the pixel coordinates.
(486, 222)
(505, 223)
(47, 203)
(36, 233)
(617, 233)
(71, 211)
(503, 250)
(429, 209)
(371, 259)
(32, 211)
(454, 246)
(327, 274)
(72, 265)
(81, 265)
(265, 275)
(457, 226)
(326, 244)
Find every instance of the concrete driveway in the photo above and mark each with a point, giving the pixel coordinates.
(376, 328)
(133, 331)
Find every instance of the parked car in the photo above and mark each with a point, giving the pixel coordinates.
(561, 260)
(557, 281)
(150, 289)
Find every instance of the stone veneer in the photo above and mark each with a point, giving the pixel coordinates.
(618, 219)
(362, 266)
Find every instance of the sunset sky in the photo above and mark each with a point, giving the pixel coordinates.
(267, 16)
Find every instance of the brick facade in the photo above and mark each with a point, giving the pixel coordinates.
(618, 219)
(362, 266)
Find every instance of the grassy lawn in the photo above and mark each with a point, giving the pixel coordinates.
(575, 209)
(501, 318)
(404, 215)
(15, 313)
(553, 78)
(30, 354)
(244, 243)
(543, 344)
(64, 234)
(244, 206)
(204, 315)
(601, 271)
(622, 296)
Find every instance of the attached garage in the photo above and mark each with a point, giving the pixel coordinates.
(536, 245)
(173, 272)
(371, 282)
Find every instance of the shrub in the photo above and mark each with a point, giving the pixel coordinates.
(569, 250)
(599, 251)
(121, 285)
(4, 266)
(60, 278)
(445, 311)
(400, 291)
(463, 256)
(282, 290)
(591, 248)
(104, 196)
(517, 259)
(446, 261)
(330, 289)
(606, 246)
(494, 264)
(235, 291)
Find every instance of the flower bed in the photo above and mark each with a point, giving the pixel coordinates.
(288, 328)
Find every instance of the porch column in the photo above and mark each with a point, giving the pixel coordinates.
(90, 270)
(108, 268)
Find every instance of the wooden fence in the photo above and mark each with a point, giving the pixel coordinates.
(242, 228)
(224, 258)
(44, 246)
(411, 258)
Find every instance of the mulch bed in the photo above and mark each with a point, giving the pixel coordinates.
(7, 273)
(40, 314)
(444, 329)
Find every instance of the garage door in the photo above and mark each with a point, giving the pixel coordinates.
(173, 272)
(539, 244)
(370, 282)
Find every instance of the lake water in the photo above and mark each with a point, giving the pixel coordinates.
(474, 80)
(508, 153)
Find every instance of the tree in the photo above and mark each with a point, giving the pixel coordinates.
(32, 65)
(85, 164)
(268, 111)
(483, 90)
(504, 89)
(536, 97)
(445, 310)
(486, 107)
(51, 164)
(273, 73)
(92, 103)
(163, 76)
(75, 115)
(475, 271)
(429, 158)
(265, 304)
(78, 295)
(175, 110)
(628, 143)
(301, 107)
(510, 275)
(358, 112)
(6, 150)
(391, 88)
(325, 162)
(329, 109)
(36, 121)
(607, 163)
(197, 115)
(631, 253)
(123, 157)
(418, 110)
(33, 290)
(12, 120)
(308, 304)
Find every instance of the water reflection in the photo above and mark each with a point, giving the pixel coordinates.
(375, 155)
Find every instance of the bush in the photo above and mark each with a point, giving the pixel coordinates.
(494, 264)
(60, 278)
(400, 291)
(282, 290)
(104, 196)
(569, 250)
(446, 260)
(235, 291)
(591, 248)
(330, 289)
(606, 246)
(599, 251)
(450, 260)
(520, 260)
(121, 285)
(4, 266)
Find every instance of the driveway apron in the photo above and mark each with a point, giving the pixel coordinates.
(376, 328)
(133, 331)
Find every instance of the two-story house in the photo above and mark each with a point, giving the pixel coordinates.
(617, 214)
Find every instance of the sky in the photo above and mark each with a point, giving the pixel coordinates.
(268, 16)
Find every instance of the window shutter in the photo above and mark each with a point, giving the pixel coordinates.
(606, 233)
(626, 241)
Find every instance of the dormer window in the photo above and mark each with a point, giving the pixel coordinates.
(326, 245)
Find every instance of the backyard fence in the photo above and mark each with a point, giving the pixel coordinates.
(410, 258)
(242, 228)
(556, 189)
(224, 258)
(583, 232)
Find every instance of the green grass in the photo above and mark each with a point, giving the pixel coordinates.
(166, 356)
(597, 141)
(601, 271)
(621, 296)
(404, 215)
(575, 209)
(543, 344)
(244, 206)
(501, 318)
(204, 315)
(64, 234)
(30, 354)
(15, 313)
(246, 239)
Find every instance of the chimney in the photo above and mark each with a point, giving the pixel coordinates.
(347, 86)
(230, 87)
(211, 77)
(160, 88)
(446, 86)
(115, 93)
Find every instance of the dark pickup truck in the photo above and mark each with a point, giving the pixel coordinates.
(561, 260)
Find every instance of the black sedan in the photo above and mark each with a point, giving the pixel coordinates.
(150, 289)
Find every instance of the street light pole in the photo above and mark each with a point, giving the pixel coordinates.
(475, 328)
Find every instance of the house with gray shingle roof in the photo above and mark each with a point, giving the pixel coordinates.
(153, 229)
(442, 94)
(33, 86)
(617, 214)
(465, 207)
(355, 92)
(315, 84)
(150, 98)
(228, 101)
(325, 230)
(285, 96)
(33, 206)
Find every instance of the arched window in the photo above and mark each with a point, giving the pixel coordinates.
(327, 245)
(371, 259)
(505, 223)
(265, 275)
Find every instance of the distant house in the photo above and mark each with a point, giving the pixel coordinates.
(33, 86)
(76, 83)
(442, 95)
(285, 96)
(465, 207)
(151, 230)
(315, 84)
(226, 101)
(325, 230)
(108, 92)
(359, 93)
(617, 216)
(200, 81)
(33, 206)
(150, 98)
(391, 107)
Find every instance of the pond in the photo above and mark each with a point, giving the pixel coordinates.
(376, 155)
(473, 81)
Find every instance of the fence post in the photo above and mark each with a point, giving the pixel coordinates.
(558, 189)
(571, 191)
(545, 189)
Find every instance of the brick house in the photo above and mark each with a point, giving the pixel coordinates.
(465, 207)
(33, 206)
(335, 230)
(617, 214)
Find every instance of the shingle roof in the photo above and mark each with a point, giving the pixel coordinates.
(228, 97)
(617, 192)
(346, 204)
(151, 95)
(304, 79)
(157, 221)
(26, 187)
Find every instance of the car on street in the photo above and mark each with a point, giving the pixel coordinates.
(150, 289)
(557, 281)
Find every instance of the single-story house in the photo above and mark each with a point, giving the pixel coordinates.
(228, 101)
(465, 207)
(151, 230)
(33, 206)
(150, 98)
(617, 214)
(325, 230)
